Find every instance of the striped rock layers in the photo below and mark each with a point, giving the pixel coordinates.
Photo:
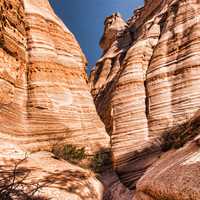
(130, 124)
(44, 97)
(155, 86)
(176, 174)
(103, 77)
(173, 74)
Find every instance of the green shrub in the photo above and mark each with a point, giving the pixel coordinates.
(179, 135)
(78, 156)
(69, 152)
(100, 160)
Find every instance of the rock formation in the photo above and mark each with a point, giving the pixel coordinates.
(40, 176)
(147, 81)
(176, 174)
(145, 88)
(44, 97)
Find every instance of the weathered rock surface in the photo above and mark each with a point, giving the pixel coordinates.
(44, 101)
(155, 82)
(44, 97)
(175, 176)
(113, 188)
(145, 87)
(40, 176)
(104, 75)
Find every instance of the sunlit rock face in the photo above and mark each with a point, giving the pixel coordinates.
(44, 96)
(13, 70)
(103, 77)
(155, 85)
(176, 174)
(40, 176)
(173, 74)
(44, 101)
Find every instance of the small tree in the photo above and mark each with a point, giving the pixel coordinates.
(13, 184)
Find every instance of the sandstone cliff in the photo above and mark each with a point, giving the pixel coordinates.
(146, 90)
(176, 174)
(147, 83)
(45, 100)
(44, 97)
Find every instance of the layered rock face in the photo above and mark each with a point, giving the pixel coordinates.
(44, 97)
(44, 102)
(145, 87)
(114, 42)
(176, 174)
(155, 84)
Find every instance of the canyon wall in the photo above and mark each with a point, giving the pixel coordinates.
(147, 81)
(44, 96)
(44, 102)
(145, 88)
(176, 174)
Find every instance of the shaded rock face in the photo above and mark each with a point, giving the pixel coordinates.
(155, 82)
(103, 77)
(113, 188)
(44, 97)
(114, 27)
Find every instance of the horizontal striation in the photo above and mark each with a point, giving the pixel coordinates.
(174, 176)
(44, 96)
(173, 75)
(130, 125)
(155, 86)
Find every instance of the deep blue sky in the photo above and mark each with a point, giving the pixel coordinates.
(85, 19)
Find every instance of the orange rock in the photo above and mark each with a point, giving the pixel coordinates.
(44, 96)
(174, 176)
(155, 82)
(44, 101)
(41, 175)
